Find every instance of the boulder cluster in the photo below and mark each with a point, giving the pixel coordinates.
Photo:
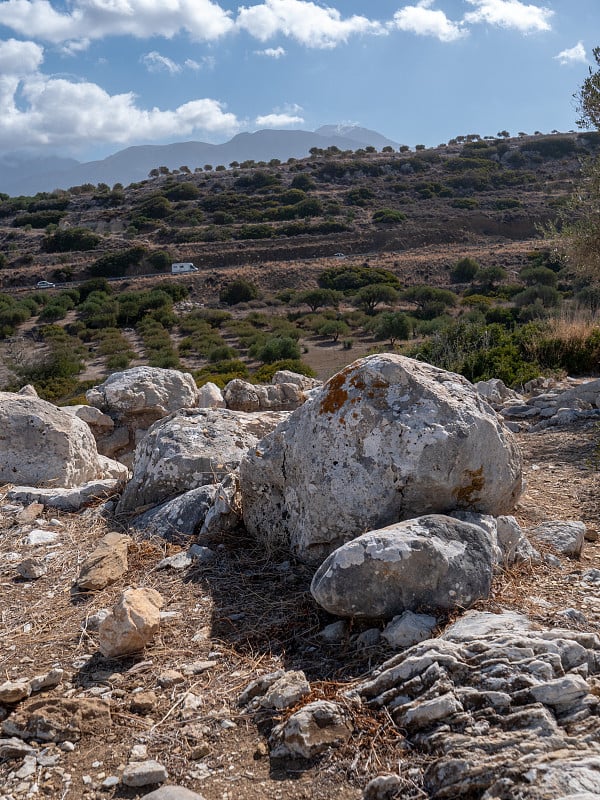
(395, 481)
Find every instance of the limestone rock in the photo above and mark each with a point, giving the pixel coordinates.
(72, 499)
(14, 691)
(172, 793)
(144, 773)
(31, 569)
(179, 518)
(432, 562)
(563, 537)
(58, 720)
(286, 691)
(476, 624)
(302, 381)
(210, 396)
(408, 629)
(132, 623)
(147, 391)
(106, 564)
(189, 449)
(42, 445)
(386, 439)
(310, 731)
(99, 422)
(240, 395)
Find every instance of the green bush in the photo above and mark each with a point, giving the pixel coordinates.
(388, 216)
(464, 270)
(276, 348)
(393, 326)
(238, 291)
(265, 373)
(350, 279)
(71, 239)
(38, 219)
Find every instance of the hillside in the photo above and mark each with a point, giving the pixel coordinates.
(283, 228)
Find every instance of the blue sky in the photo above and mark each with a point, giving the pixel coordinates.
(85, 78)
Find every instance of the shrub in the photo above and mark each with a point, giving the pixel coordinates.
(392, 326)
(276, 348)
(318, 298)
(548, 296)
(369, 297)
(464, 270)
(182, 191)
(265, 373)
(333, 329)
(38, 219)
(388, 216)
(238, 291)
(350, 279)
(64, 241)
(539, 275)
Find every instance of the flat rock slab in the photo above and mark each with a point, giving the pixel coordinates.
(58, 720)
(564, 537)
(172, 793)
(106, 564)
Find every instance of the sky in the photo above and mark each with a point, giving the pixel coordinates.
(85, 78)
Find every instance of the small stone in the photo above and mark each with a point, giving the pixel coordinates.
(201, 555)
(408, 629)
(67, 746)
(30, 513)
(47, 681)
(335, 633)
(143, 703)
(315, 728)
(93, 622)
(106, 564)
(14, 691)
(31, 569)
(110, 782)
(383, 787)
(369, 638)
(139, 752)
(14, 748)
(178, 561)
(565, 537)
(169, 677)
(39, 537)
(173, 793)
(28, 767)
(144, 773)
(198, 667)
(132, 623)
(261, 751)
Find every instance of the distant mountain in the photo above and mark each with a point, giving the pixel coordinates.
(20, 175)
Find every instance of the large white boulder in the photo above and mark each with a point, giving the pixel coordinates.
(42, 445)
(387, 438)
(144, 390)
(433, 563)
(191, 448)
(240, 395)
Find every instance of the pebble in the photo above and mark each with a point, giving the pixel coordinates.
(39, 537)
(144, 773)
(31, 569)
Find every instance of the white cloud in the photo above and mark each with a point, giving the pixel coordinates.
(60, 112)
(573, 55)
(278, 120)
(308, 23)
(19, 58)
(426, 21)
(95, 19)
(523, 17)
(154, 62)
(271, 52)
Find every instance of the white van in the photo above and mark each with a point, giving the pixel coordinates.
(183, 266)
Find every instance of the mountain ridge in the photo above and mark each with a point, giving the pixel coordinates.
(22, 176)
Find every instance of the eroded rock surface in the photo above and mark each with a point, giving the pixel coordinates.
(386, 439)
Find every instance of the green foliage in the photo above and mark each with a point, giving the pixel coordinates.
(221, 373)
(465, 202)
(157, 344)
(388, 216)
(53, 376)
(114, 265)
(182, 191)
(550, 146)
(352, 278)
(38, 219)
(541, 275)
(70, 239)
(547, 296)
(99, 310)
(154, 207)
(265, 373)
(318, 298)
(276, 348)
(238, 291)
(392, 325)
(333, 329)
(303, 182)
(369, 297)
(464, 270)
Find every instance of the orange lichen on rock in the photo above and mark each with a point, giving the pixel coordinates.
(336, 394)
(467, 496)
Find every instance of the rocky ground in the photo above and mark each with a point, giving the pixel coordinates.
(241, 615)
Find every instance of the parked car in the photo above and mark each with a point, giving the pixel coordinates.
(340, 255)
(45, 285)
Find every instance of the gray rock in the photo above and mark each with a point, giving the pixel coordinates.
(172, 793)
(259, 686)
(144, 773)
(369, 638)
(210, 396)
(422, 714)
(286, 691)
(225, 513)
(106, 564)
(408, 629)
(476, 624)
(561, 691)
(383, 787)
(144, 391)
(42, 445)
(31, 569)
(189, 449)
(312, 730)
(387, 438)
(47, 681)
(181, 517)
(564, 537)
(13, 749)
(14, 691)
(432, 562)
(495, 391)
(39, 536)
(240, 395)
(71, 499)
(335, 633)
